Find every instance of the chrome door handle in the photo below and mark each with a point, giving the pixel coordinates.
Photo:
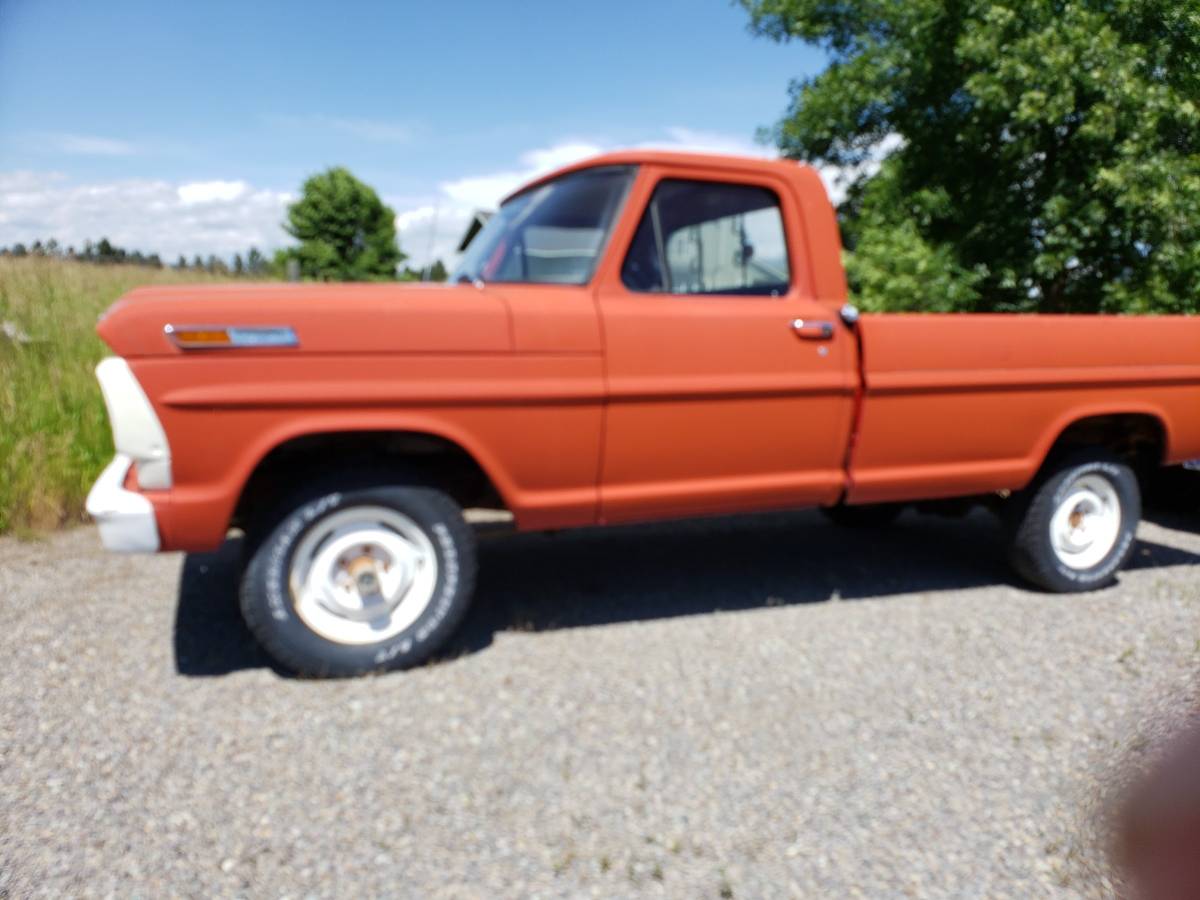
(812, 330)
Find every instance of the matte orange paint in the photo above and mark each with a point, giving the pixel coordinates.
(961, 404)
(595, 404)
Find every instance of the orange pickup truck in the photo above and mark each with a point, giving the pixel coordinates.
(642, 335)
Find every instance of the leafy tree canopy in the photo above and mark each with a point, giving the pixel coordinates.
(346, 232)
(1048, 155)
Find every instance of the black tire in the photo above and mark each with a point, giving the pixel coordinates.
(1032, 551)
(872, 515)
(270, 610)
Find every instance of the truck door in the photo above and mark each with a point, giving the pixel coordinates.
(729, 386)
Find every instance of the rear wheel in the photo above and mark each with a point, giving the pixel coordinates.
(361, 580)
(1073, 530)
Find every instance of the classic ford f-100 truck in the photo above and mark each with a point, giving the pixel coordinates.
(642, 335)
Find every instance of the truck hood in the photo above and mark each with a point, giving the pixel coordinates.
(326, 318)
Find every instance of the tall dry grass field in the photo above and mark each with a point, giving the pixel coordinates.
(54, 435)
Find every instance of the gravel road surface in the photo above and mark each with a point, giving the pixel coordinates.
(733, 708)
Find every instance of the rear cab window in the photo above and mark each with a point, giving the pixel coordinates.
(708, 237)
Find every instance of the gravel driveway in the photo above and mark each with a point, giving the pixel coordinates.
(733, 708)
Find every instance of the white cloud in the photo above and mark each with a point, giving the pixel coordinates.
(431, 231)
(486, 191)
(481, 191)
(547, 159)
(197, 192)
(839, 178)
(679, 138)
(415, 216)
(222, 217)
(85, 144)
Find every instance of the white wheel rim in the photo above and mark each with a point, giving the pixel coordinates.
(363, 575)
(1086, 523)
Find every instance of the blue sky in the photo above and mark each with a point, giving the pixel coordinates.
(187, 127)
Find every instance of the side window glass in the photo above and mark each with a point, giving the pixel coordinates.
(703, 237)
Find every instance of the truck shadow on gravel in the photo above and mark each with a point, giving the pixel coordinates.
(1175, 519)
(574, 579)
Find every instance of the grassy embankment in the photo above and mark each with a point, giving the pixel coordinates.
(54, 436)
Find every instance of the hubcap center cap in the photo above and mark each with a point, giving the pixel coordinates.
(365, 576)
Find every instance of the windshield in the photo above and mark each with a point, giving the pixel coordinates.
(550, 234)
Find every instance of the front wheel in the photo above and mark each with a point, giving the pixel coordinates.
(1073, 530)
(360, 580)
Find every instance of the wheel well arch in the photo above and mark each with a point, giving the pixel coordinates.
(1140, 437)
(307, 457)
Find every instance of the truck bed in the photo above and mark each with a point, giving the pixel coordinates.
(961, 404)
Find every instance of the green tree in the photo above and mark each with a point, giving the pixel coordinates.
(280, 263)
(239, 267)
(346, 232)
(1047, 151)
(435, 272)
(256, 263)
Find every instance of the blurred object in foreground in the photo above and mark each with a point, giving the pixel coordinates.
(1156, 837)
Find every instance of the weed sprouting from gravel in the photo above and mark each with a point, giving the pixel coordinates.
(564, 863)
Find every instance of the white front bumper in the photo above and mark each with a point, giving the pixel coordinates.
(126, 519)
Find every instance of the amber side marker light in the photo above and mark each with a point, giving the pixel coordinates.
(226, 337)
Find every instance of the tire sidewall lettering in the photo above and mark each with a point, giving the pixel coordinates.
(278, 602)
(437, 612)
